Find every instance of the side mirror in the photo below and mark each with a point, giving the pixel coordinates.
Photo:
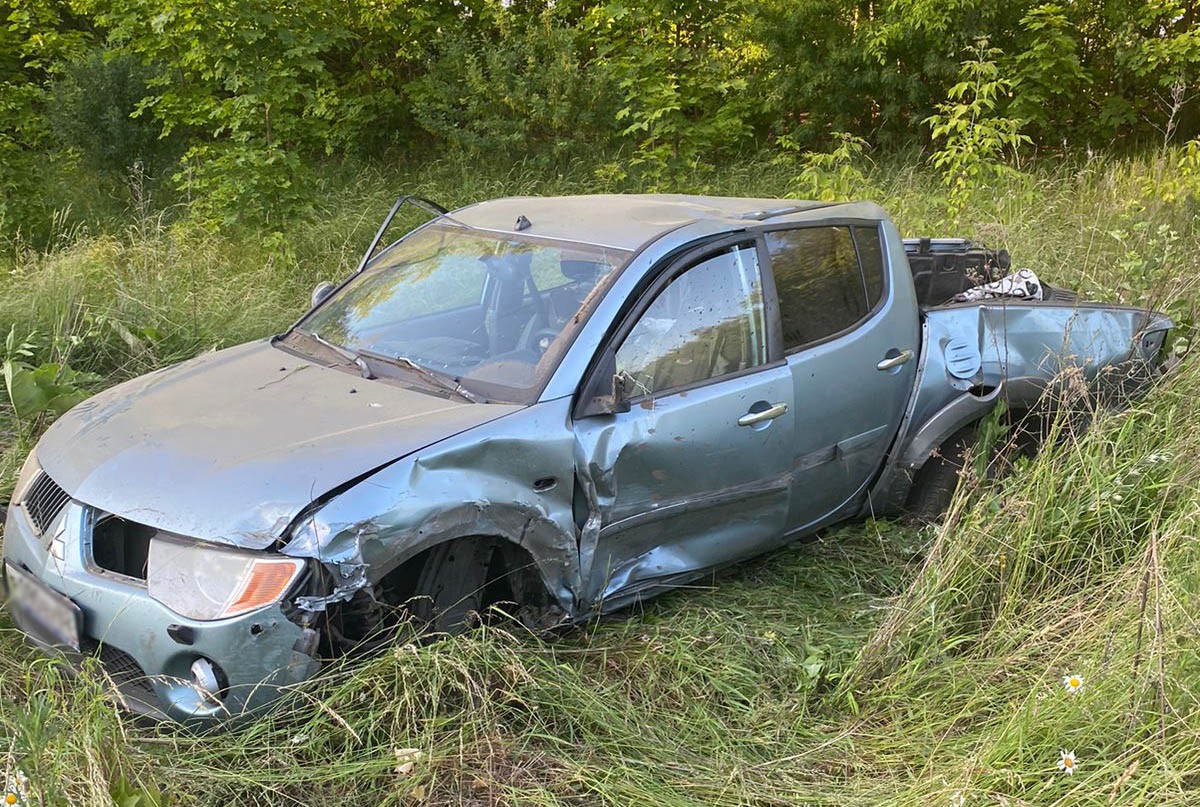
(323, 290)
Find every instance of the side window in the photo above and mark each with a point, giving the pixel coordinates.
(818, 282)
(708, 322)
(870, 255)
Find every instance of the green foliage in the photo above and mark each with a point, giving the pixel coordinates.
(681, 66)
(254, 96)
(1177, 179)
(37, 38)
(1048, 77)
(47, 389)
(252, 76)
(91, 111)
(517, 84)
(975, 138)
(836, 175)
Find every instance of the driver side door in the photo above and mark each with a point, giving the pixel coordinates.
(697, 472)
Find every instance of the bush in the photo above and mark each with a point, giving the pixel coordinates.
(519, 86)
(93, 110)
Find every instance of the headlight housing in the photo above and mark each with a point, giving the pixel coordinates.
(203, 581)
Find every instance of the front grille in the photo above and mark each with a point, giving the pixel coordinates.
(44, 501)
(124, 671)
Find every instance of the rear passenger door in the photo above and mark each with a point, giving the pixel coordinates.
(850, 342)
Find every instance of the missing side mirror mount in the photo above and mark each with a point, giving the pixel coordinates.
(607, 389)
(621, 382)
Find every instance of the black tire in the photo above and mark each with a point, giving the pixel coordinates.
(452, 586)
(934, 485)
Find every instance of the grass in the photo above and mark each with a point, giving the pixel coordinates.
(879, 664)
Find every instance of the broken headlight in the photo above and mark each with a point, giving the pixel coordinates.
(203, 581)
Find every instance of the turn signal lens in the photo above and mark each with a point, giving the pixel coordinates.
(267, 582)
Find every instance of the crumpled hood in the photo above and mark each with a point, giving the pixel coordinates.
(230, 446)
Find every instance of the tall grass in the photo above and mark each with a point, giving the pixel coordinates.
(880, 664)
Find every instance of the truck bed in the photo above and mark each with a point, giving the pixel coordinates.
(944, 267)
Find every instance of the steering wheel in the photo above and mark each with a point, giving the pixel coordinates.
(541, 339)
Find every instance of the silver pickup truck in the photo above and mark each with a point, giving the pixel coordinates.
(565, 404)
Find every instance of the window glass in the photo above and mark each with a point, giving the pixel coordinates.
(870, 255)
(706, 323)
(818, 282)
(480, 308)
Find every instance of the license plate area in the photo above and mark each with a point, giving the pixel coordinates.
(41, 611)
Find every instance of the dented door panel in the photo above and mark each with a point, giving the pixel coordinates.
(679, 486)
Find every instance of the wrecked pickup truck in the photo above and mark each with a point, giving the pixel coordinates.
(562, 404)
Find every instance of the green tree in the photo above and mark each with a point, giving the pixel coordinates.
(974, 135)
(681, 67)
(37, 37)
(520, 81)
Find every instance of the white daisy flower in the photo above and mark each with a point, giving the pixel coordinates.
(1066, 762)
(1072, 683)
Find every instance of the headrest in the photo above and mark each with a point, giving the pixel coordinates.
(509, 267)
(583, 271)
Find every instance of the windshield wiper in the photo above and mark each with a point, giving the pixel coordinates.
(345, 352)
(357, 359)
(435, 378)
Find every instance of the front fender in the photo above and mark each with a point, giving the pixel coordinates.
(479, 483)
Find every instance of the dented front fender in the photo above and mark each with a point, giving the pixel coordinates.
(512, 478)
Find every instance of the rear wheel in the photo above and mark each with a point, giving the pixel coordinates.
(938, 479)
(935, 483)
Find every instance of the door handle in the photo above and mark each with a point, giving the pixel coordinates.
(891, 362)
(750, 418)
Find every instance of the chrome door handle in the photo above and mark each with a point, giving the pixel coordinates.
(903, 357)
(751, 418)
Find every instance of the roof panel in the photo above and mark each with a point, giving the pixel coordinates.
(625, 221)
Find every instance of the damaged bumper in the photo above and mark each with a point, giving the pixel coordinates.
(160, 663)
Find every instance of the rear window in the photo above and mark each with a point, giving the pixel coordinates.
(818, 281)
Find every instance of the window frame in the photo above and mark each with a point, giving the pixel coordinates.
(658, 279)
(872, 310)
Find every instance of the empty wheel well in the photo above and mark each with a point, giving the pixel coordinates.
(511, 576)
(469, 574)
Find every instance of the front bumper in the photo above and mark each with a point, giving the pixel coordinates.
(259, 653)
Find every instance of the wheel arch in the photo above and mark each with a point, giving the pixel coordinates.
(520, 531)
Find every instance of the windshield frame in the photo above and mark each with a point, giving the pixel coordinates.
(550, 361)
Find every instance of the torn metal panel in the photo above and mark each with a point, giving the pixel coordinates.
(1018, 349)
